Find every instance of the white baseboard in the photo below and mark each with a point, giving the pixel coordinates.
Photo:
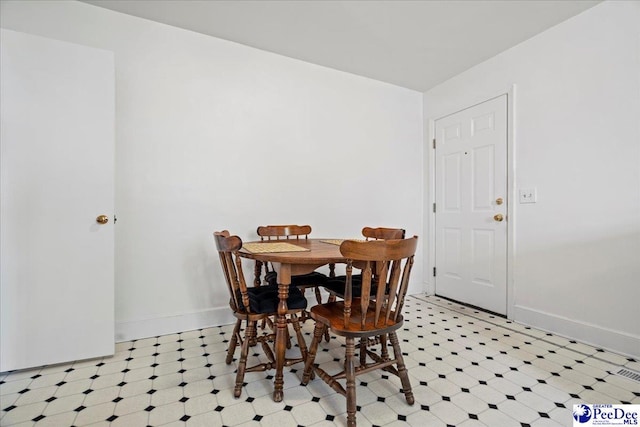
(144, 328)
(171, 324)
(608, 339)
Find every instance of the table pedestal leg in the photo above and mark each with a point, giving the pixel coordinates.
(284, 276)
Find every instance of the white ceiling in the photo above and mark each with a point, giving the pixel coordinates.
(415, 44)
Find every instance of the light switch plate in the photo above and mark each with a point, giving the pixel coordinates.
(528, 195)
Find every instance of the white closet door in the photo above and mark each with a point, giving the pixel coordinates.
(57, 171)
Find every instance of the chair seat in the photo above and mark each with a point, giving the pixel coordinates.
(336, 285)
(264, 299)
(332, 314)
(311, 279)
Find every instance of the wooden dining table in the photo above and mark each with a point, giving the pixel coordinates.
(308, 256)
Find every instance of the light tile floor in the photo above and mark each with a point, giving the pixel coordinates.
(468, 368)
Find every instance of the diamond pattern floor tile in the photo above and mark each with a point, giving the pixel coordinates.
(468, 368)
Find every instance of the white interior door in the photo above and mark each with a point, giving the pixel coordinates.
(57, 147)
(471, 205)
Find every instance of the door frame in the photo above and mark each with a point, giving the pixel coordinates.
(430, 186)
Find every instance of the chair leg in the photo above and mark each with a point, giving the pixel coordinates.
(327, 338)
(350, 373)
(301, 343)
(311, 355)
(332, 298)
(233, 342)
(402, 369)
(316, 290)
(242, 365)
(363, 352)
(384, 351)
(268, 323)
(288, 340)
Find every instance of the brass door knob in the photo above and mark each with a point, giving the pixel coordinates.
(498, 217)
(102, 219)
(499, 201)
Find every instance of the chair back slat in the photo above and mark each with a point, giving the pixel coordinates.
(242, 284)
(367, 279)
(277, 232)
(394, 277)
(228, 247)
(233, 302)
(348, 295)
(387, 265)
(380, 275)
(404, 286)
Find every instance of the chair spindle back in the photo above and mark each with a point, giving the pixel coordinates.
(228, 246)
(386, 266)
(277, 232)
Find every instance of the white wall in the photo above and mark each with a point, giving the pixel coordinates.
(577, 139)
(212, 135)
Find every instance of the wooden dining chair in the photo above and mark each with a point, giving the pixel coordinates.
(253, 304)
(370, 317)
(336, 286)
(288, 232)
